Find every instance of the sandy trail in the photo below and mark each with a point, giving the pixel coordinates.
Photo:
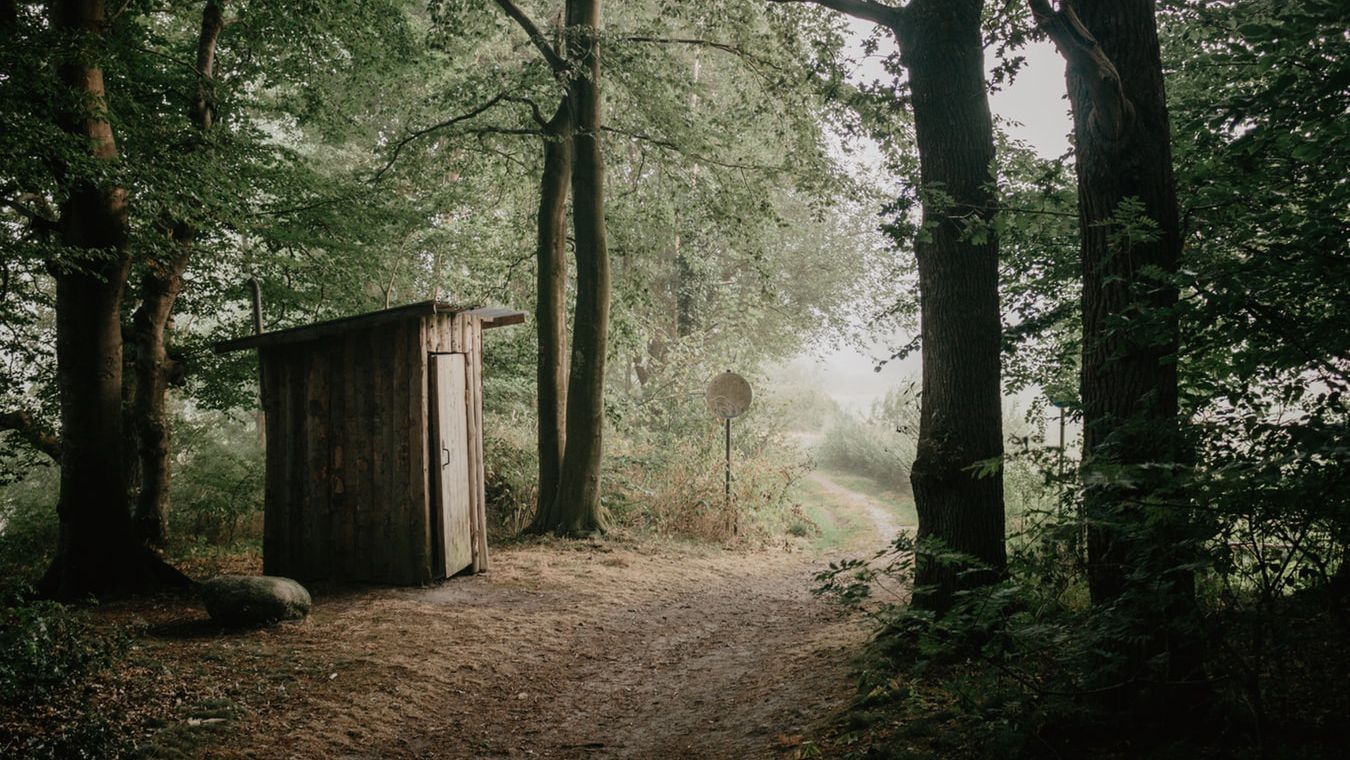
(564, 650)
(883, 519)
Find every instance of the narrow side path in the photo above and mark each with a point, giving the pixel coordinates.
(883, 518)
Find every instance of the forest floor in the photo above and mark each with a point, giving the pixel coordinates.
(564, 649)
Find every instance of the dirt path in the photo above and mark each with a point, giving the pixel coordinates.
(882, 517)
(564, 650)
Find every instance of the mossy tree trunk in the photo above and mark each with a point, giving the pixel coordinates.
(551, 311)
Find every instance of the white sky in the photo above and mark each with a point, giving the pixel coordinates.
(1034, 110)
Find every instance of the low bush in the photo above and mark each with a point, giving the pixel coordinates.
(511, 476)
(680, 489)
(879, 445)
(1028, 667)
(671, 487)
(28, 524)
(51, 660)
(217, 486)
(867, 447)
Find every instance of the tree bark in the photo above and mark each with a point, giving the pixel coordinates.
(159, 289)
(1132, 443)
(578, 499)
(97, 552)
(551, 312)
(961, 420)
(1129, 377)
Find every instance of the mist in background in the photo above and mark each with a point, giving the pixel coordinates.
(1032, 109)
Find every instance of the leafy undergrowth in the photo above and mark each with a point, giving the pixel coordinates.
(670, 488)
(56, 697)
(1001, 677)
(92, 680)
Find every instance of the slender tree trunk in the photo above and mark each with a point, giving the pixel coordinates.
(160, 286)
(578, 499)
(1131, 435)
(159, 290)
(97, 552)
(551, 312)
(961, 418)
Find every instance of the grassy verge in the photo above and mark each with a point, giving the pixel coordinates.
(839, 527)
(845, 524)
(901, 503)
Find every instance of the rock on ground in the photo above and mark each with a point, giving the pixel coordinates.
(248, 600)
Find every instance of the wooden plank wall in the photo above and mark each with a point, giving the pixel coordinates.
(346, 487)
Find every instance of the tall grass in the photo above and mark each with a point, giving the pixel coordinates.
(869, 448)
(667, 484)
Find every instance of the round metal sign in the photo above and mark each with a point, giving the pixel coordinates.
(729, 395)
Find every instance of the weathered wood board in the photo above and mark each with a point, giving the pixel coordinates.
(451, 444)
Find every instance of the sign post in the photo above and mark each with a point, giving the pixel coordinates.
(729, 396)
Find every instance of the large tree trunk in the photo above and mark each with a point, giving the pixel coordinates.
(1131, 436)
(961, 420)
(160, 286)
(97, 552)
(1129, 374)
(578, 505)
(551, 312)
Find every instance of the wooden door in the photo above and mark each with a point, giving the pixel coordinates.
(450, 458)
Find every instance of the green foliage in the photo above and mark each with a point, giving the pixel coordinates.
(48, 648)
(1265, 355)
(217, 490)
(1256, 510)
(28, 525)
(867, 447)
(662, 483)
(50, 658)
(676, 488)
(511, 479)
(1039, 272)
(880, 446)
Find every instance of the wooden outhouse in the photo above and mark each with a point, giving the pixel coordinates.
(375, 444)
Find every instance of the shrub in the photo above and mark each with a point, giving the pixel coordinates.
(663, 468)
(28, 523)
(678, 489)
(217, 487)
(869, 448)
(51, 657)
(511, 476)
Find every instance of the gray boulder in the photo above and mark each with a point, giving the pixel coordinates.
(247, 600)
